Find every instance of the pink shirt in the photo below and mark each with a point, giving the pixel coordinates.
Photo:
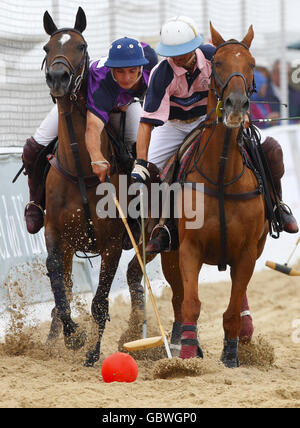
(175, 94)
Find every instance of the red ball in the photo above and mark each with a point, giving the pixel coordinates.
(119, 367)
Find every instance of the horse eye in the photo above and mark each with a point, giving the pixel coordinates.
(218, 64)
(46, 49)
(81, 47)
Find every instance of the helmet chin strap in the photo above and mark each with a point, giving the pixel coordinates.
(138, 78)
(190, 61)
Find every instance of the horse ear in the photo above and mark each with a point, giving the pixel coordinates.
(216, 37)
(249, 37)
(49, 25)
(80, 23)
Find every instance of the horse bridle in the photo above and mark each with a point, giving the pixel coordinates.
(223, 85)
(75, 80)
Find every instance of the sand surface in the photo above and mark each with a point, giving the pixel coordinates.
(32, 375)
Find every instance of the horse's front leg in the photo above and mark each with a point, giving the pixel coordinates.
(56, 324)
(190, 264)
(100, 305)
(57, 265)
(241, 272)
(170, 267)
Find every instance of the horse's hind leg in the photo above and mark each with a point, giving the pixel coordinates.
(136, 289)
(56, 324)
(247, 329)
(241, 273)
(56, 266)
(100, 304)
(170, 267)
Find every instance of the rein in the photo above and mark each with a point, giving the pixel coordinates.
(223, 85)
(75, 83)
(220, 184)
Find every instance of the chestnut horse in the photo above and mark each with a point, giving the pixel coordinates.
(71, 223)
(240, 239)
(235, 227)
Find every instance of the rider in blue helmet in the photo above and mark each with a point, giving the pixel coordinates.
(115, 83)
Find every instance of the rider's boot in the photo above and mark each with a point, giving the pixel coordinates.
(289, 223)
(274, 155)
(34, 212)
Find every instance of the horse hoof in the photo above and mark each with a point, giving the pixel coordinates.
(230, 353)
(91, 358)
(230, 363)
(75, 340)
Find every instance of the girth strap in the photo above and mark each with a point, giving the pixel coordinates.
(90, 181)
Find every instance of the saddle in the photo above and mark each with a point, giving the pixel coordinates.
(254, 158)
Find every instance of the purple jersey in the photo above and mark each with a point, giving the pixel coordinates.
(104, 93)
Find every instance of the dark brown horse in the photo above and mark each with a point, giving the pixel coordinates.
(71, 222)
(235, 227)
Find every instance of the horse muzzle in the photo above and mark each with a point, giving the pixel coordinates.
(235, 109)
(58, 80)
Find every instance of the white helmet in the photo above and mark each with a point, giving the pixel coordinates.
(178, 36)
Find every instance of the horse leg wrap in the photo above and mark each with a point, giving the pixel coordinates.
(230, 353)
(100, 310)
(175, 345)
(55, 273)
(189, 343)
(247, 329)
(137, 295)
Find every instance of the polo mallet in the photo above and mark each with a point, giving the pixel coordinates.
(144, 330)
(150, 342)
(285, 268)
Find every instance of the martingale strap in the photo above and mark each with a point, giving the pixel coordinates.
(81, 180)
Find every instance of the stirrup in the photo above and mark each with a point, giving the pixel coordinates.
(35, 204)
(285, 208)
(165, 227)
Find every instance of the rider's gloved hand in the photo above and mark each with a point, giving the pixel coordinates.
(140, 172)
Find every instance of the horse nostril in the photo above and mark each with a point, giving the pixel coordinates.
(65, 77)
(49, 78)
(246, 106)
(228, 103)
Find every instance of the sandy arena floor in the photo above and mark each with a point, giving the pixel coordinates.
(31, 375)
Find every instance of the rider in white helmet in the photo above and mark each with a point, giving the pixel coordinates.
(175, 103)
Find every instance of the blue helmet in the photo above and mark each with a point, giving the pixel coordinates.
(126, 52)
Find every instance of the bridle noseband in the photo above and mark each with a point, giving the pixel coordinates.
(75, 80)
(223, 85)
